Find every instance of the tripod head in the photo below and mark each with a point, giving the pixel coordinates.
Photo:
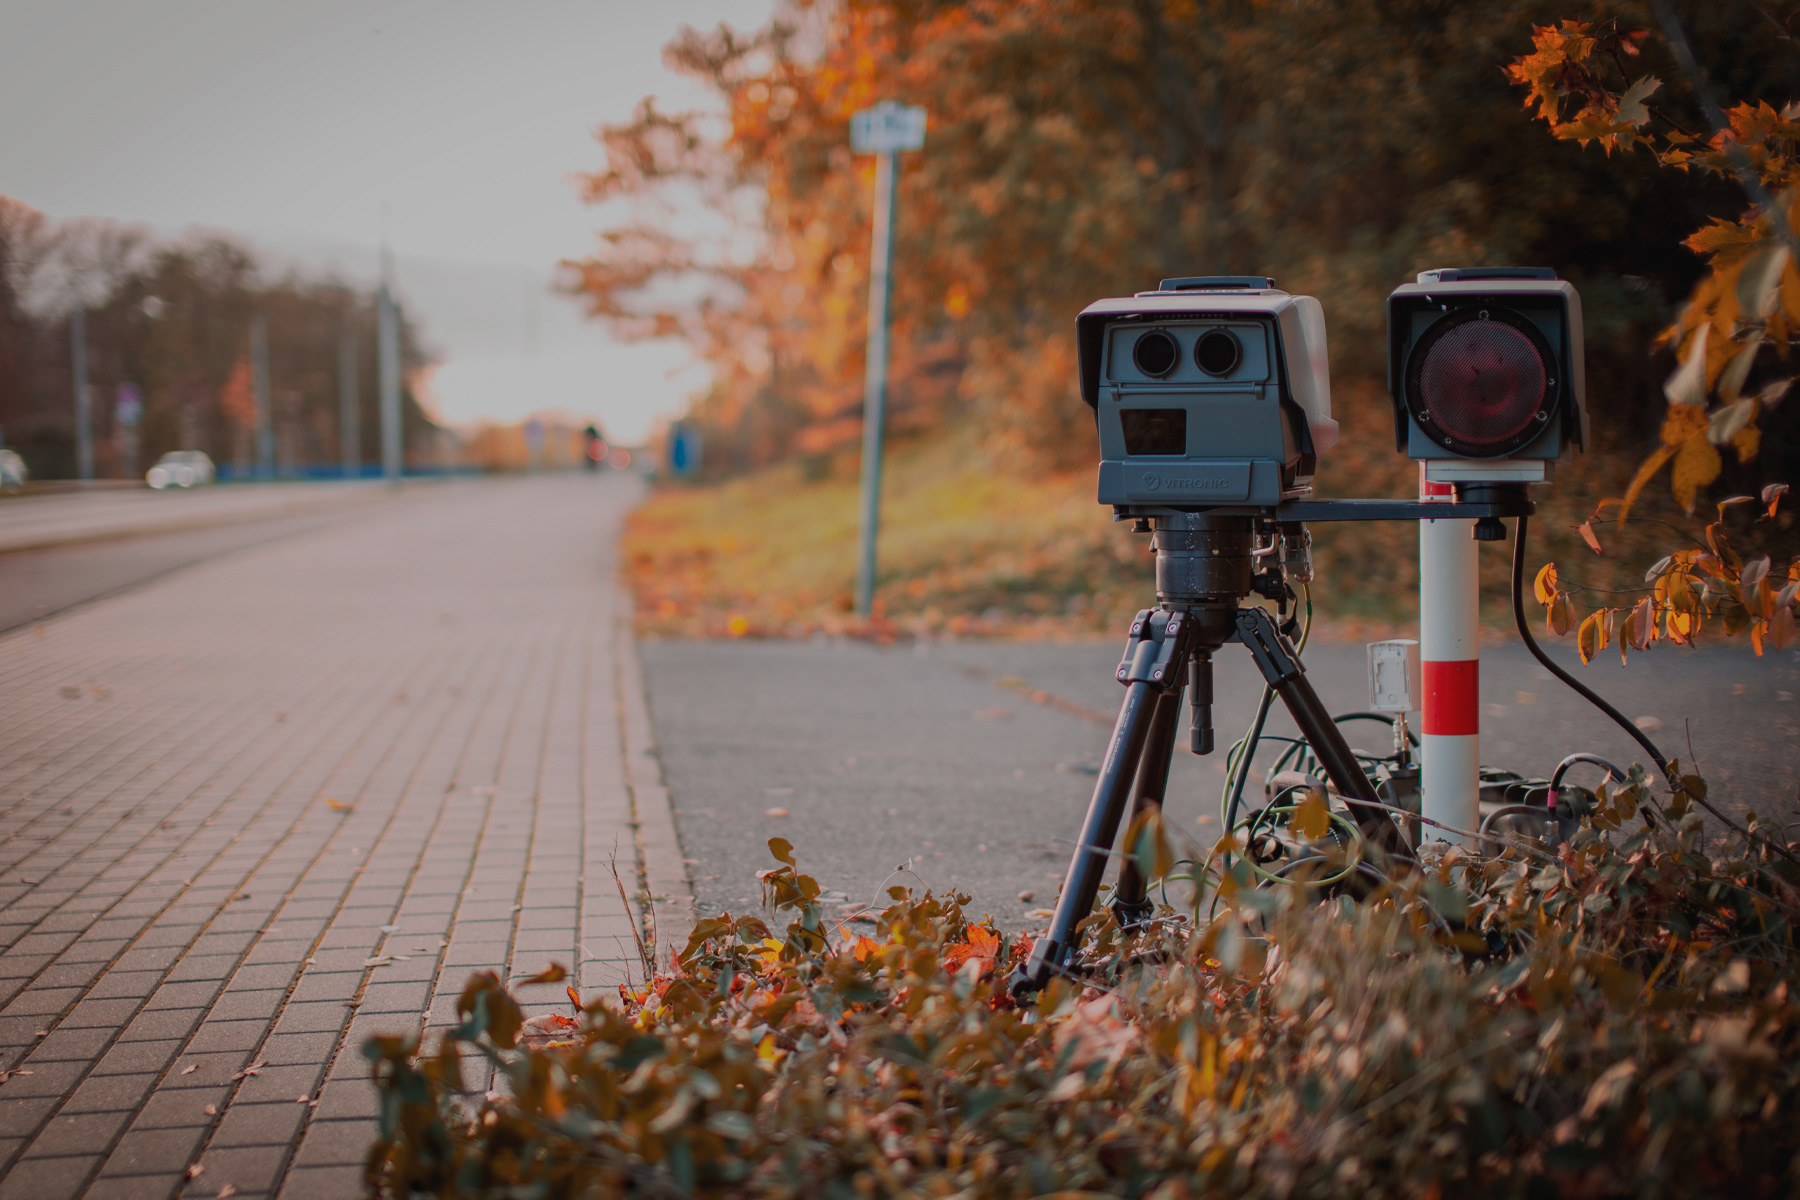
(1206, 567)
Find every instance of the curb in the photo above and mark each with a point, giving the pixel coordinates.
(666, 893)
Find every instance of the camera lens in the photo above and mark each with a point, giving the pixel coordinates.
(1155, 353)
(1479, 380)
(1217, 352)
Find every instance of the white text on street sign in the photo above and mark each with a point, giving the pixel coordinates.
(887, 128)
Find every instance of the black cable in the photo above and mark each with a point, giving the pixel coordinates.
(1537, 652)
(1387, 719)
(1662, 764)
(1250, 743)
(1562, 768)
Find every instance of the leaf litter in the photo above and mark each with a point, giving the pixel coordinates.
(1610, 1017)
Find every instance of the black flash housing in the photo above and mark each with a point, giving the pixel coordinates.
(1486, 372)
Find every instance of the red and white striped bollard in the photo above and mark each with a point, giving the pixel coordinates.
(1450, 659)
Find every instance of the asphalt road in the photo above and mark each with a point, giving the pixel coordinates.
(67, 548)
(36, 583)
(936, 756)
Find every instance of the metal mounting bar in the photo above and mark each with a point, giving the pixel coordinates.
(1379, 510)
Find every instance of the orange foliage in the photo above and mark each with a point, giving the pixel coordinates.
(237, 399)
(1750, 300)
(1075, 149)
(1687, 590)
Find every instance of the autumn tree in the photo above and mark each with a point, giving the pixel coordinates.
(173, 319)
(1078, 149)
(1733, 338)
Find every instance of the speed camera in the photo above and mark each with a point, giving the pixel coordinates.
(1209, 391)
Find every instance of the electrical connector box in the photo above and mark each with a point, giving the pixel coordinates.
(1394, 679)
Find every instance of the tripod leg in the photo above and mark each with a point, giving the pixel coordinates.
(1152, 657)
(1276, 659)
(1130, 903)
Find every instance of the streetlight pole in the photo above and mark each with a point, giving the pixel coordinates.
(388, 329)
(84, 424)
(349, 407)
(259, 378)
(884, 130)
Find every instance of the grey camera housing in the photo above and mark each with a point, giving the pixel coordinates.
(1535, 300)
(1193, 436)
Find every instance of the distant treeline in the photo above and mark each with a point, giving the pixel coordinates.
(172, 321)
(1086, 148)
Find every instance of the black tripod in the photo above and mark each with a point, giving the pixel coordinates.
(1205, 568)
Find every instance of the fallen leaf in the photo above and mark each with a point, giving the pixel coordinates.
(190, 1068)
(775, 812)
(338, 805)
(211, 1110)
(226, 1190)
(1312, 819)
(195, 1171)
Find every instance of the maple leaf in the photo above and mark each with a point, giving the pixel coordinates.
(983, 946)
(1631, 107)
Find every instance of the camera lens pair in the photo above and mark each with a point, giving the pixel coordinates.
(1156, 352)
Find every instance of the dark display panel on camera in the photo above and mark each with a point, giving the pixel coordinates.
(1154, 430)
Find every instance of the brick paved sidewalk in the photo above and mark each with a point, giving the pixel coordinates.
(260, 809)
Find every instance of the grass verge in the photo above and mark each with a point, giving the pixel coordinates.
(971, 545)
(966, 547)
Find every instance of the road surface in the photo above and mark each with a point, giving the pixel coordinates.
(936, 755)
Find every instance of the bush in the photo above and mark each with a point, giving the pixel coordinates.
(1609, 1018)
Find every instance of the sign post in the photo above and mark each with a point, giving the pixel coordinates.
(128, 410)
(884, 131)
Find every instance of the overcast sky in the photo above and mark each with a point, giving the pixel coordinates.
(294, 123)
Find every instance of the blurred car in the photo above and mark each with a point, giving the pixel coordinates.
(12, 471)
(181, 468)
